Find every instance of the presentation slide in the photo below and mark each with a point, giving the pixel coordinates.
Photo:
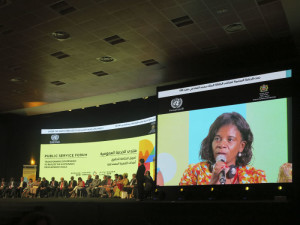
(103, 150)
(192, 132)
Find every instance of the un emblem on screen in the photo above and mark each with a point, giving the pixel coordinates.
(54, 137)
(176, 103)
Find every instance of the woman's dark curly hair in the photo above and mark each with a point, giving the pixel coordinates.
(206, 151)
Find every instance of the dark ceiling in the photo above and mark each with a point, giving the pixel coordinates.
(51, 51)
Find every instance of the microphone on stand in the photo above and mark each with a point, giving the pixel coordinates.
(222, 175)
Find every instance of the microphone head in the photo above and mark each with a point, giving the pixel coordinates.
(232, 171)
(221, 157)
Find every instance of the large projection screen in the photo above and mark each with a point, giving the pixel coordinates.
(187, 113)
(102, 150)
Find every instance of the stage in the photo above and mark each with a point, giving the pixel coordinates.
(124, 211)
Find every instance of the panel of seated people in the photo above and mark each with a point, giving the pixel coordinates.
(117, 187)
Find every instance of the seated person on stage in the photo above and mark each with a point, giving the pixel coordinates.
(131, 187)
(87, 184)
(80, 186)
(93, 186)
(44, 188)
(105, 186)
(33, 191)
(88, 181)
(102, 186)
(149, 184)
(2, 187)
(109, 190)
(21, 187)
(62, 188)
(52, 187)
(72, 184)
(123, 181)
(26, 190)
(11, 188)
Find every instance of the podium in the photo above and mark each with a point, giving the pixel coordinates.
(29, 172)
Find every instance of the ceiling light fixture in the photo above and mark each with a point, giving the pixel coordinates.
(61, 35)
(222, 11)
(234, 27)
(106, 59)
(17, 80)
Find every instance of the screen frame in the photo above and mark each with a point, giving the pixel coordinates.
(197, 191)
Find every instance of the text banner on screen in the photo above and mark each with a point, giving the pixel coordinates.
(225, 84)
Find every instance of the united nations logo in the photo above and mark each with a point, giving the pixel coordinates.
(264, 88)
(54, 137)
(176, 103)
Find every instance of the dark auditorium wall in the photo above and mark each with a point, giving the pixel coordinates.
(20, 135)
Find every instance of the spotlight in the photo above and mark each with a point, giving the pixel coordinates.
(32, 161)
(181, 189)
(279, 188)
(247, 188)
(212, 189)
(70, 110)
(82, 108)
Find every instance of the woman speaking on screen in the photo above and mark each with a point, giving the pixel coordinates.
(226, 153)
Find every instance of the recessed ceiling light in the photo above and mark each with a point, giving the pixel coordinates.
(61, 35)
(234, 27)
(17, 80)
(106, 59)
(222, 11)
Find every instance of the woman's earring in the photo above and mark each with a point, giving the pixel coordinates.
(240, 154)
